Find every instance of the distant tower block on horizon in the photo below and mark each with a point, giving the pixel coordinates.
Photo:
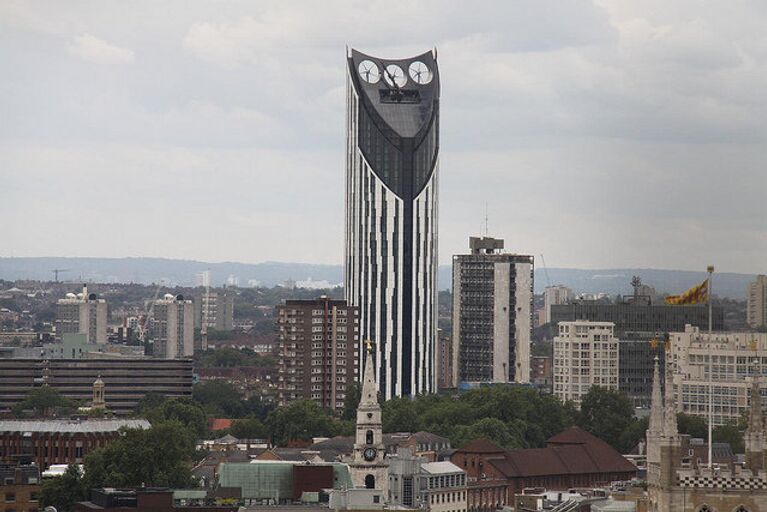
(392, 150)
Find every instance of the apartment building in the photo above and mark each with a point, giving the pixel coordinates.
(173, 327)
(82, 313)
(318, 351)
(555, 295)
(736, 357)
(585, 355)
(756, 308)
(216, 309)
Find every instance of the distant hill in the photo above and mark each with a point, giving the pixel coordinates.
(182, 272)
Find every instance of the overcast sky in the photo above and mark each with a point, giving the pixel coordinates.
(605, 134)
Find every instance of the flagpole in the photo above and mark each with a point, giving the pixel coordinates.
(710, 270)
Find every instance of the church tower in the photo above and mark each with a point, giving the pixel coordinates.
(368, 466)
(754, 437)
(99, 401)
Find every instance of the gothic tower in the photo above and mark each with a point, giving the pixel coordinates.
(754, 437)
(368, 466)
(99, 400)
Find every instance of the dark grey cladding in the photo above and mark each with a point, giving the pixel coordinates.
(399, 126)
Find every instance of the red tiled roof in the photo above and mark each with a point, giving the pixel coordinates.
(573, 451)
(217, 424)
(481, 445)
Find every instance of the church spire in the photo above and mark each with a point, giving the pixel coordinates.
(755, 416)
(656, 405)
(755, 437)
(670, 428)
(369, 395)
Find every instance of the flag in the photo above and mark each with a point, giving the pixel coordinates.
(694, 295)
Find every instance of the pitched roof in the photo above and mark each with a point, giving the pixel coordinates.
(481, 445)
(573, 451)
(220, 424)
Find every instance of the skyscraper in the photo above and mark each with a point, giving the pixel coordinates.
(392, 149)
(492, 314)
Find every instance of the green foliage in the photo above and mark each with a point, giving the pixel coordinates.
(43, 400)
(226, 357)
(352, 400)
(502, 434)
(159, 456)
(64, 491)
(399, 415)
(249, 428)
(730, 433)
(634, 433)
(695, 426)
(258, 406)
(607, 414)
(183, 410)
(219, 398)
(302, 419)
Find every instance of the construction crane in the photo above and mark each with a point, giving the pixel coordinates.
(143, 327)
(57, 271)
(545, 270)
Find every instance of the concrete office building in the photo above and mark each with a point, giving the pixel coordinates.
(492, 314)
(555, 295)
(82, 313)
(318, 351)
(392, 149)
(585, 355)
(217, 308)
(173, 327)
(735, 357)
(641, 328)
(445, 363)
(756, 308)
(126, 380)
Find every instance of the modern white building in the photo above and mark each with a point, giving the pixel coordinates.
(735, 356)
(443, 487)
(392, 149)
(756, 307)
(585, 355)
(173, 327)
(82, 313)
(492, 314)
(557, 294)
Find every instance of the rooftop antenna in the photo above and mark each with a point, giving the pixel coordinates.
(487, 231)
(636, 282)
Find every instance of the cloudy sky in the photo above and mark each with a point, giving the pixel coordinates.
(600, 134)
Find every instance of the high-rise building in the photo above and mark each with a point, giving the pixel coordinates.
(492, 314)
(444, 366)
(585, 355)
(756, 309)
(173, 327)
(82, 313)
(318, 351)
(735, 356)
(215, 307)
(392, 149)
(552, 295)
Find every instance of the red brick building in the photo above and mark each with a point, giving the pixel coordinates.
(572, 458)
(145, 500)
(59, 441)
(19, 488)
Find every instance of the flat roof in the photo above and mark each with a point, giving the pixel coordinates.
(71, 426)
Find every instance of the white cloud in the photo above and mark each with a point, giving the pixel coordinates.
(92, 49)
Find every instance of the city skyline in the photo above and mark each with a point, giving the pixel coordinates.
(657, 112)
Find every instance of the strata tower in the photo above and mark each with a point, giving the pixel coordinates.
(392, 148)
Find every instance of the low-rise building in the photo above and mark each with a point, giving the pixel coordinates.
(585, 355)
(443, 487)
(151, 499)
(19, 488)
(50, 442)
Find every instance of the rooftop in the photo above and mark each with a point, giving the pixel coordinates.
(71, 426)
(440, 468)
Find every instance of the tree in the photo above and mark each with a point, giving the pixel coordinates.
(43, 400)
(635, 433)
(490, 428)
(249, 428)
(399, 415)
(352, 401)
(606, 413)
(219, 397)
(187, 412)
(695, 426)
(258, 406)
(159, 456)
(301, 420)
(730, 433)
(64, 491)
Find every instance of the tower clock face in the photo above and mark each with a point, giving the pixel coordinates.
(369, 72)
(419, 73)
(394, 75)
(369, 454)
